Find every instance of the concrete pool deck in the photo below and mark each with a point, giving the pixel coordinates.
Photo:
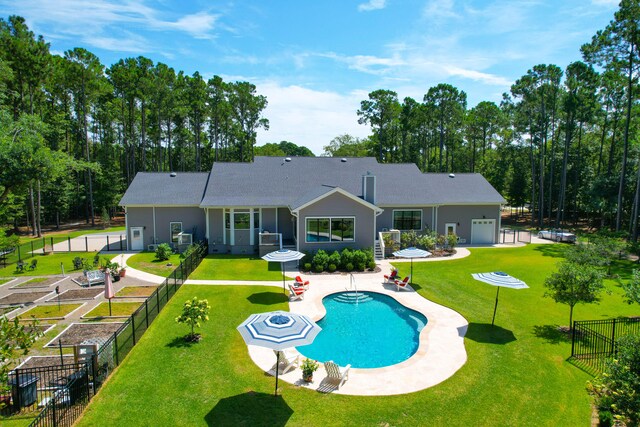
(440, 353)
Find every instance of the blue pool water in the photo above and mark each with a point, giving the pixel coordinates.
(312, 237)
(368, 331)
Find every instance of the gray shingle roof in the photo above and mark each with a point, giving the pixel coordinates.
(161, 189)
(271, 181)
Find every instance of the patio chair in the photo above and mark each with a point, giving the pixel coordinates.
(299, 283)
(34, 264)
(404, 284)
(288, 360)
(20, 266)
(335, 373)
(296, 293)
(391, 278)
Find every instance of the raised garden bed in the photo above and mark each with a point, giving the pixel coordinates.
(45, 361)
(77, 294)
(76, 333)
(117, 309)
(48, 311)
(136, 291)
(22, 297)
(38, 282)
(5, 310)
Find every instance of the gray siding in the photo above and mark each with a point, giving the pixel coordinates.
(216, 230)
(269, 220)
(338, 205)
(385, 220)
(285, 224)
(192, 219)
(463, 215)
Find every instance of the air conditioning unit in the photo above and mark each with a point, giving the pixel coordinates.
(463, 241)
(152, 247)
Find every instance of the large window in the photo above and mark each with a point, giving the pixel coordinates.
(175, 228)
(330, 229)
(241, 220)
(407, 219)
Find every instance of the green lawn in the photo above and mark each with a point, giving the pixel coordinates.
(516, 373)
(146, 261)
(49, 264)
(237, 267)
(46, 311)
(117, 309)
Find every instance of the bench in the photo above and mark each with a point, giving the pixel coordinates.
(94, 277)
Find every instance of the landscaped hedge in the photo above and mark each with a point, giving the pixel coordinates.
(347, 260)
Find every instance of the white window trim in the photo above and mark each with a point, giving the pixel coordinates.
(393, 214)
(170, 230)
(306, 231)
(454, 227)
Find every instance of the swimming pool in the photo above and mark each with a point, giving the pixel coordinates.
(365, 330)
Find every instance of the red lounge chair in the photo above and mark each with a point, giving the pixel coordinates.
(391, 278)
(403, 284)
(301, 283)
(296, 293)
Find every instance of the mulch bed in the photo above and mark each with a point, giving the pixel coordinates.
(44, 361)
(79, 332)
(77, 294)
(42, 284)
(22, 297)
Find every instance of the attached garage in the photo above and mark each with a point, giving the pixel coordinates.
(483, 231)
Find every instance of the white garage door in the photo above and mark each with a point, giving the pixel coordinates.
(483, 231)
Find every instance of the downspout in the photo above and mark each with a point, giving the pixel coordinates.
(297, 239)
(126, 226)
(206, 221)
(499, 224)
(155, 239)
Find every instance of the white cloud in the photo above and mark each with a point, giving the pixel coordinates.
(371, 5)
(440, 9)
(309, 117)
(199, 25)
(478, 76)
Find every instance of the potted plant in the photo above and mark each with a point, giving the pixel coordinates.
(123, 272)
(308, 368)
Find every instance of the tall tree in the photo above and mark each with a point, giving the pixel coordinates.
(381, 111)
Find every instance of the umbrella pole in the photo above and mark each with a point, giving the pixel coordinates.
(109, 306)
(495, 307)
(282, 269)
(411, 277)
(275, 393)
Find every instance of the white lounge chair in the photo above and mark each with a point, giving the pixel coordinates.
(288, 360)
(403, 284)
(335, 373)
(296, 293)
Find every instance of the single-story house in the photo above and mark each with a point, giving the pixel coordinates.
(307, 203)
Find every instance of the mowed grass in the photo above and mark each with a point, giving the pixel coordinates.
(48, 264)
(117, 309)
(48, 311)
(146, 261)
(136, 291)
(516, 373)
(237, 267)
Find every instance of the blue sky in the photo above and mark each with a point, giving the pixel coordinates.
(315, 61)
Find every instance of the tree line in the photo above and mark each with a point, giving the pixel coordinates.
(74, 133)
(564, 141)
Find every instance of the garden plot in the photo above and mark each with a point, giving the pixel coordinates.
(45, 361)
(37, 282)
(77, 294)
(23, 297)
(136, 291)
(76, 333)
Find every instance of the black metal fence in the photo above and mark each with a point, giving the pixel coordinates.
(593, 341)
(64, 391)
(45, 245)
(511, 236)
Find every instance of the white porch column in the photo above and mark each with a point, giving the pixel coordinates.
(155, 239)
(251, 229)
(232, 232)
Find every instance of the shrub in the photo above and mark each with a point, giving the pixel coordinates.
(346, 258)
(348, 267)
(332, 268)
(372, 265)
(441, 240)
(409, 239)
(163, 252)
(320, 260)
(361, 266)
(452, 240)
(307, 266)
(335, 259)
(190, 250)
(390, 244)
(106, 219)
(318, 269)
(427, 241)
(359, 258)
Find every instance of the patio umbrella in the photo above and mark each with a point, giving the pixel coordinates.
(278, 330)
(108, 287)
(282, 256)
(412, 253)
(501, 280)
